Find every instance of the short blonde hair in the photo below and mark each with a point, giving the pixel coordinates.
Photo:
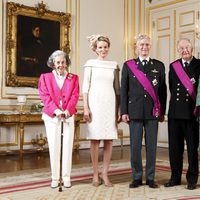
(93, 39)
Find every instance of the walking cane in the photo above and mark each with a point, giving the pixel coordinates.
(61, 153)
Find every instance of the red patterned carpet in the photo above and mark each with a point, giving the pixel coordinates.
(36, 185)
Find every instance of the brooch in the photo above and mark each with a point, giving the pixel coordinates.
(69, 76)
(193, 80)
(155, 82)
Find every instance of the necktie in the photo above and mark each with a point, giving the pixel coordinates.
(186, 65)
(144, 62)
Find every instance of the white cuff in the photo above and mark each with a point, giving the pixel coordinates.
(58, 112)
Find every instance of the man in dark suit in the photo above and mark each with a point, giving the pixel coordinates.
(33, 54)
(143, 103)
(182, 122)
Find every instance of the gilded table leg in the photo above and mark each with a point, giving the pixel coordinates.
(21, 125)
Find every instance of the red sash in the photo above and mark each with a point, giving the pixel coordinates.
(185, 80)
(144, 81)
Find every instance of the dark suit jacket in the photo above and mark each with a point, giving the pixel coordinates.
(135, 101)
(181, 105)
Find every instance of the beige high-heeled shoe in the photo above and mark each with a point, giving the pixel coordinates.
(97, 183)
(108, 183)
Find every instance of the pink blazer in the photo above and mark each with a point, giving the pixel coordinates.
(51, 95)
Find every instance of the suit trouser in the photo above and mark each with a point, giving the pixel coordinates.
(136, 134)
(53, 131)
(180, 129)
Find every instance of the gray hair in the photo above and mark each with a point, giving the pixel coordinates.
(51, 59)
(141, 37)
(138, 40)
(186, 39)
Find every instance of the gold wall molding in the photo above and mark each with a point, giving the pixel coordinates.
(126, 13)
(175, 35)
(77, 35)
(2, 47)
(165, 4)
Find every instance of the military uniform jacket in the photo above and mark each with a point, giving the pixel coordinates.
(135, 101)
(181, 105)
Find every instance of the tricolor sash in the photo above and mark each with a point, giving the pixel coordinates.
(144, 81)
(185, 80)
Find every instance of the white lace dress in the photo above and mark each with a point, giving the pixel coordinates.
(101, 82)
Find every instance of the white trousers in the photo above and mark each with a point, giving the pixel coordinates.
(53, 130)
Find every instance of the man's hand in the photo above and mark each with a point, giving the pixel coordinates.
(125, 118)
(161, 118)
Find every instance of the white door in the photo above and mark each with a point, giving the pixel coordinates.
(167, 25)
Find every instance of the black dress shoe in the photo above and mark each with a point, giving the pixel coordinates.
(172, 183)
(191, 186)
(151, 184)
(135, 184)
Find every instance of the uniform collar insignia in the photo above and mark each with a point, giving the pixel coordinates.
(154, 71)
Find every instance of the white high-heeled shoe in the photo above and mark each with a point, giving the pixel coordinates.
(67, 184)
(54, 184)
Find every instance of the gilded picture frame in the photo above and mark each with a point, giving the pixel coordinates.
(26, 60)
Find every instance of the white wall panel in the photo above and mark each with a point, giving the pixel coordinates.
(102, 20)
(163, 23)
(163, 48)
(187, 18)
(170, 21)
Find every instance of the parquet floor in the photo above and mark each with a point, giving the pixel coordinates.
(12, 163)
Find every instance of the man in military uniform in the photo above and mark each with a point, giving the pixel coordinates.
(182, 123)
(143, 103)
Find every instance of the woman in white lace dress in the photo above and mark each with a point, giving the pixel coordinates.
(100, 97)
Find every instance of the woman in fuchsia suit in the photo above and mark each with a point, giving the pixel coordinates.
(59, 92)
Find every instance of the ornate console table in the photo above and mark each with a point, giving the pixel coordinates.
(21, 119)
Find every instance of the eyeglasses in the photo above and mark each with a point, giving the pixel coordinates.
(181, 49)
(144, 44)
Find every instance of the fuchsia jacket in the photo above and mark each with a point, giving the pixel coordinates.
(51, 95)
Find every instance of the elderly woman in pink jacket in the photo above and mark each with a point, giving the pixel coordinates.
(59, 92)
